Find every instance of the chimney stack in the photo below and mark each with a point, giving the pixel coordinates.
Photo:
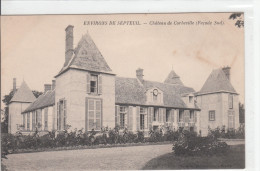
(47, 87)
(139, 74)
(227, 71)
(53, 84)
(14, 85)
(69, 43)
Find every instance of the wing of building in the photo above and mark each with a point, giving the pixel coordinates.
(87, 94)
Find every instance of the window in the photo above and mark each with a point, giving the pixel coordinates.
(212, 115)
(33, 120)
(39, 119)
(93, 83)
(192, 116)
(123, 113)
(28, 121)
(181, 116)
(230, 101)
(155, 114)
(231, 120)
(190, 99)
(24, 115)
(143, 115)
(168, 114)
(46, 118)
(61, 115)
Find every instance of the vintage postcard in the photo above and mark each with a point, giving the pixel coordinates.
(123, 91)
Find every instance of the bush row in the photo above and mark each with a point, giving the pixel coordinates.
(228, 133)
(80, 138)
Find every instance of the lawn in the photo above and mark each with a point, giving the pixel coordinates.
(235, 159)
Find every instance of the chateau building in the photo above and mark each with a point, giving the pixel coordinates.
(87, 94)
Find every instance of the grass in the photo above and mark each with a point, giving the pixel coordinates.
(235, 159)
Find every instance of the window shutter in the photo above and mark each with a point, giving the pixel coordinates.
(130, 118)
(91, 113)
(100, 84)
(65, 113)
(117, 116)
(98, 114)
(88, 83)
(58, 110)
(137, 118)
(178, 115)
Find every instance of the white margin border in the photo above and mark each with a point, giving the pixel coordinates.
(252, 45)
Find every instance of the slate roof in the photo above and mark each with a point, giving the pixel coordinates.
(173, 78)
(217, 82)
(87, 57)
(47, 99)
(23, 94)
(132, 91)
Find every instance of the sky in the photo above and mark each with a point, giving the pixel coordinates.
(33, 47)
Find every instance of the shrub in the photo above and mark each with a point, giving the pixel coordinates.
(190, 144)
(229, 133)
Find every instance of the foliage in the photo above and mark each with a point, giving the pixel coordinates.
(228, 133)
(241, 113)
(239, 17)
(192, 145)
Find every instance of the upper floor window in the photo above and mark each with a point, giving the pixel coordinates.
(190, 99)
(93, 83)
(230, 101)
(212, 115)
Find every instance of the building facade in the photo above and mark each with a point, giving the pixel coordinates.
(87, 95)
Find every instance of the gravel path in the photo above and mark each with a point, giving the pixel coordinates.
(118, 158)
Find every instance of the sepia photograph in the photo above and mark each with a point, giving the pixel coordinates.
(123, 91)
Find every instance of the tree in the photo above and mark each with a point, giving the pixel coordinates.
(239, 17)
(241, 113)
(6, 100)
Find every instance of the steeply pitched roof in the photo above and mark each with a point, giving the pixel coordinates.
(24, 94)
(217, 82)
(131, 91)
(47, 99)
(87, 57)
(173, 78)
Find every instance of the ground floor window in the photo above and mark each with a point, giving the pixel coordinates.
(143, 118)
(39, 119)
(212, 115)
(168, 115)
(33, 120)
(123, 114)
(94, 115)
(181, 116)
(156, 114)
(191, 129)
(231, 120)
(61, 114)
(28, 121)
(24, 121)
(46, 118)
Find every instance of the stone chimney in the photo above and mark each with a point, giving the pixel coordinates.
(69, 43)
(14, 85)
(227, 71)
(47, 87)
(53, 84)
(139, 74)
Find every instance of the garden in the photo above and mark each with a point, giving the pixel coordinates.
(184, 142)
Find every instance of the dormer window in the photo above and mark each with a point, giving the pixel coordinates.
(155, 95)
(190, 99)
